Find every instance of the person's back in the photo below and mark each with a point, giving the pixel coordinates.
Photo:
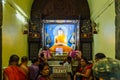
(107, 69)
(23, 66)
(34, 68)
(13, 72)
(98, 57)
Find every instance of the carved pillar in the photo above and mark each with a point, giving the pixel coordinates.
(0, 40)
(86, 39)
(117, 24)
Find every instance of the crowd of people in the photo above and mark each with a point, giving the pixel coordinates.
(40, 69)
(37, 70)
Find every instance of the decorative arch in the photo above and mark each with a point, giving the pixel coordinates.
(60, 9)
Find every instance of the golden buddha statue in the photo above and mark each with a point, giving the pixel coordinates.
(60, 41)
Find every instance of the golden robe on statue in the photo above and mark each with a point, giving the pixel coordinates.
(61, 42)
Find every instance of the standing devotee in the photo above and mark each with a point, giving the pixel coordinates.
(34, 68)
(44, 72)
(24, 66)
(84, 71)
(106, 68)
(13, 72)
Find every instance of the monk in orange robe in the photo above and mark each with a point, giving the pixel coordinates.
(13, 72)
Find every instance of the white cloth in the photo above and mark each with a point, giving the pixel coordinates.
(68, 67)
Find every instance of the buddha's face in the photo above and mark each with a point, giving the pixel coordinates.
(60, 32)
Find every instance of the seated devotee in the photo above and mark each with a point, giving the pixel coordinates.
(106, 68)
(84, 71)
(24, 66)
(60, 41)
(34, 68)
(44, 72)
(13, 72)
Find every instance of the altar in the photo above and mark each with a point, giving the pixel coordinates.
(59, 72)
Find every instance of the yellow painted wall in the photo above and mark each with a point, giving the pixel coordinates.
(13, 39)
(24, 5)
(103, 13)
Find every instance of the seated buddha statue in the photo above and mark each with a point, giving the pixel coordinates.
(60, 41)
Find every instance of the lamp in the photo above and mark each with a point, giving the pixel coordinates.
(94, 28)
(25, 28)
